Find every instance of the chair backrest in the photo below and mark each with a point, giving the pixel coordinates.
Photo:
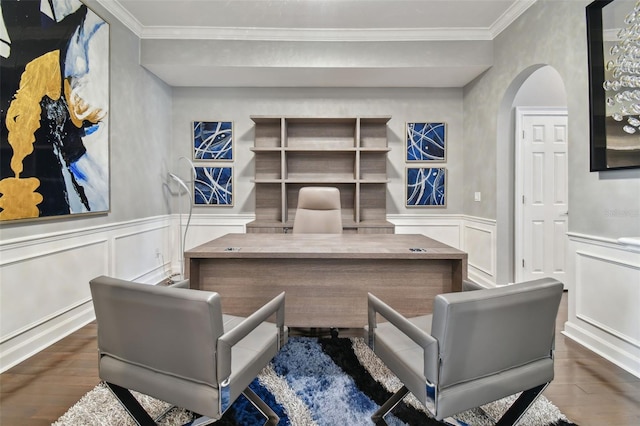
(485, 332)
(318, 211)
(166, 330)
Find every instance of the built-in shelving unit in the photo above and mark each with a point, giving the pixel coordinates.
(348, 153)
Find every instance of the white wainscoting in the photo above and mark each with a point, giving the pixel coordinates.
(44, 291)
(203, 228)
(481, 246)
(604, 306)
(441, 227)
(44, 279)
(476, 236)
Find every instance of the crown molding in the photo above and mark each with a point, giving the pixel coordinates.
(516, 9)
(121, 14)
(307, 34)
(315, 34)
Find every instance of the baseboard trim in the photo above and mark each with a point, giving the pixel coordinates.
(623, 359)
(479, 279)
(28, 343)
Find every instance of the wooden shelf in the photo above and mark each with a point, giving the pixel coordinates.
(348, 153)
(266, 149)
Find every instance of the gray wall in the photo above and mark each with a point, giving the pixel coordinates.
(543, 88)
(140, 142)
(401, 104)
(552, 33)
(150, 129)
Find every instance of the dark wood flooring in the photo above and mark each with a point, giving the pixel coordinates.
(587, 388)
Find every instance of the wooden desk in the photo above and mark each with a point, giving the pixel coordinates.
(326, 277)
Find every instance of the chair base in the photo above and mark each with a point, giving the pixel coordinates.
(142, 418)
(509, 418)
(521, 405)
(378, 416)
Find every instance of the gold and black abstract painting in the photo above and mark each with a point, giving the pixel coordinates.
(54, 78)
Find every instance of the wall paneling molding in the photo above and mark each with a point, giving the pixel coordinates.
(44, 279)
(475, 235)
(603, 310)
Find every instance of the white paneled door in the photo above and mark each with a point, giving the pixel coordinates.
(541, 193)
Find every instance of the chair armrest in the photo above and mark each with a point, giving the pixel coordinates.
(423, 339)
(239, 332)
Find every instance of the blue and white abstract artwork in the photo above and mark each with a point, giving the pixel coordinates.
(426, 142)
(213, 140)
(54, 110)
(426, 186)
(213, 186)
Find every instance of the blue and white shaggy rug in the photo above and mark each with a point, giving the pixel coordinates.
(312, 382)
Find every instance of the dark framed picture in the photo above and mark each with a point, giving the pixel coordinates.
(613, 35)
(54, 112)
(426, 142)
(213, 186)
(426, 187)
(213, 140)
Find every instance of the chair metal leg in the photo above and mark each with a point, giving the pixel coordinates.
(271, 416)
(520, 406)
(164, 414)
(133, 407)
(201, 421)
(377, 417)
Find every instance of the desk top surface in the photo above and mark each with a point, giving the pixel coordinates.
(347, 246)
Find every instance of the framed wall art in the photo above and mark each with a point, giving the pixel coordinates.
(213, 140)
(426, 142)
(426, 187)
(54, 94)
(613, 36)
(213, 186)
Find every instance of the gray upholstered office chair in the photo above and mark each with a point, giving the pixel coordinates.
(318, 211)
(477, 347)
(175, 345)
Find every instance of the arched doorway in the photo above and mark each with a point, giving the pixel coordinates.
(537, 86)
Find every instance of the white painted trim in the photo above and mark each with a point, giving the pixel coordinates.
(608, 330)
(82, 232)
(492, 269)
(519, 237)
(609, 259)
(480, 220)
(623, 359)
(204, 227)
(478, 273)
(33, 335)
(418, 218)
(580, 315)
(599, 333)
(218, 219)
(8, 259)
(123, 15)
(22, 343)
(632, 242)
(478, 278)
(432, 225)
(154, 272)
(24, 330)
(600, 241)
(34, 340)
(516, 9)
(461, 223)
(316, 34)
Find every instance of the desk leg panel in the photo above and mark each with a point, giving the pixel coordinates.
(326, 292)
